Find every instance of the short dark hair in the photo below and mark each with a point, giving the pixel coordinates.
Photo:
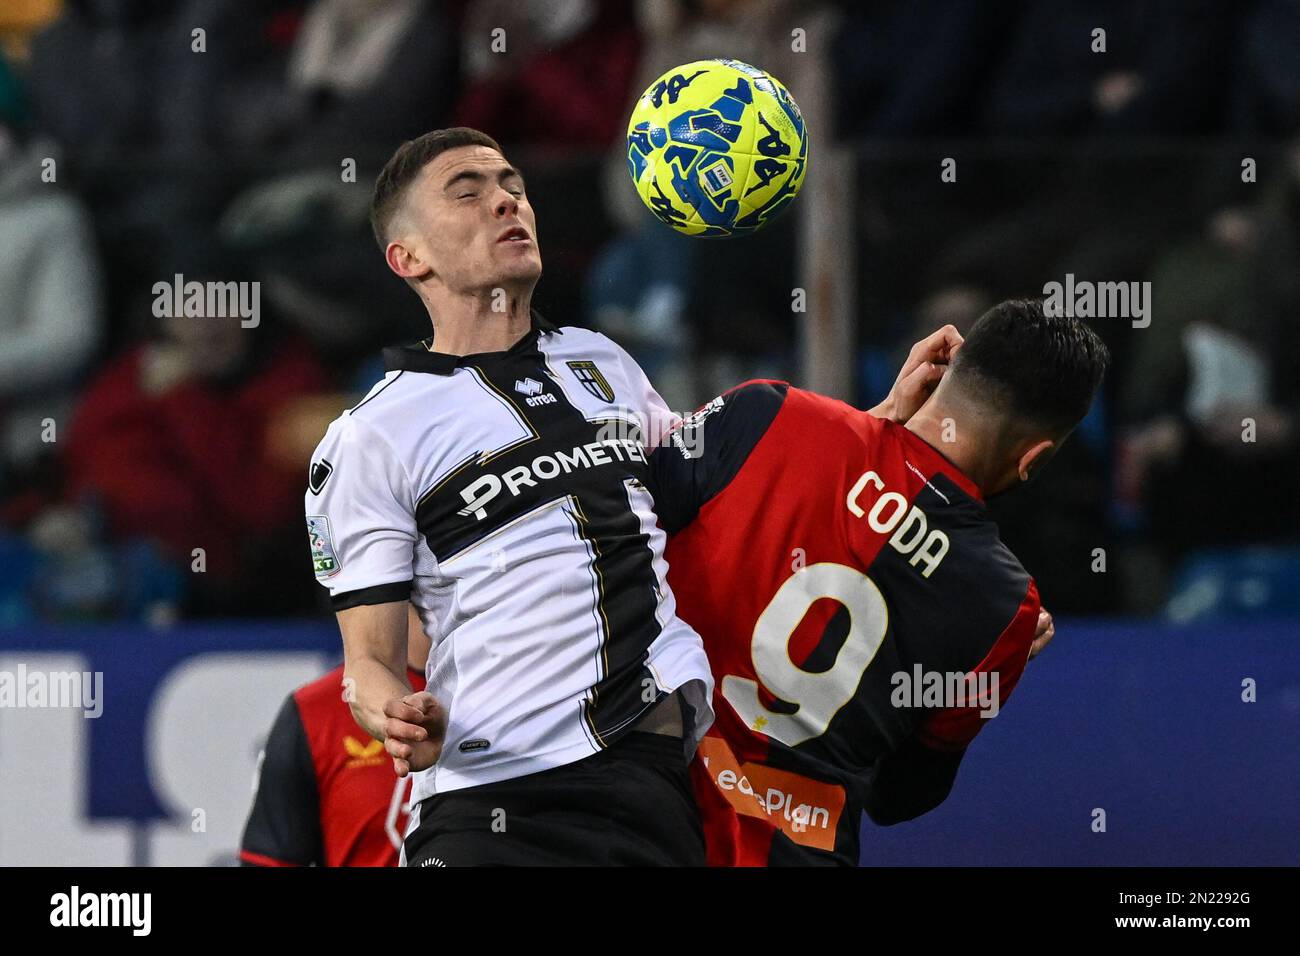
(1041, 368)
(411, 157)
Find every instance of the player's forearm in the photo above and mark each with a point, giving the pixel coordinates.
(374, 655)
(909, 782)
(889, 807)
(372, 683)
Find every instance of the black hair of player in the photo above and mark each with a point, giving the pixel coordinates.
(1043, 369)
(405, 164)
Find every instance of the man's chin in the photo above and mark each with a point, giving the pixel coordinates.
(522, 271)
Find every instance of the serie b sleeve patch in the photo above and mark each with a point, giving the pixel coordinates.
(324, 561)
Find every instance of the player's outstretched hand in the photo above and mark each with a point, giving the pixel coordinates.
(921, 372)
(1043, 634)
(414, 727)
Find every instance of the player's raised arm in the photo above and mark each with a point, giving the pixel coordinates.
(924, 368)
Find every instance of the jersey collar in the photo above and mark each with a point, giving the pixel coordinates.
(418, 358)
(937, 461)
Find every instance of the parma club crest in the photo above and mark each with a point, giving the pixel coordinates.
(592, 380)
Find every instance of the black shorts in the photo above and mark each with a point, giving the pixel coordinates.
(629, 805)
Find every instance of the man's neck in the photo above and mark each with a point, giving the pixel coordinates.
(954, 437)
(491, 321)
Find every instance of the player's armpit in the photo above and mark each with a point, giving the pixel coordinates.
(910, 781)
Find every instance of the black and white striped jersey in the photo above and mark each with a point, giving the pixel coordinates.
(504, 494)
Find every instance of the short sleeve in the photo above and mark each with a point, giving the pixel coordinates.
(953, 728)
(650, 408)
(360, 517)
(919, 775)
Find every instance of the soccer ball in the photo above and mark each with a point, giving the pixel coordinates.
(717, 148)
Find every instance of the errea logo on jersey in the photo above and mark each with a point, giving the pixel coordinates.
(532, 389)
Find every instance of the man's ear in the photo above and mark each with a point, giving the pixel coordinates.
(405, 261)
(1034, 458)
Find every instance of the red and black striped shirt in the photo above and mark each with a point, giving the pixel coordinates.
(831, 561)
(327, 794)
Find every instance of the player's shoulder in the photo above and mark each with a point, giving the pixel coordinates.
(386, 401)
(812, 416)
(575, 343)
(734, 422)
(947, 572)
(997, 565)
(814, 406)
(977, 564)
(758, 390)
(756, 394)
(383, 411)
(747, 408)
(577, 334)
(751, 407)
(596, 361)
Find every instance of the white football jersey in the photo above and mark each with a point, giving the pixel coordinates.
(503, 494)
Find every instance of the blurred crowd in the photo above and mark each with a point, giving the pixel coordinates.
(153, 467)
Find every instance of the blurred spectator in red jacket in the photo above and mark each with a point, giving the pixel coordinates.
(181, 441)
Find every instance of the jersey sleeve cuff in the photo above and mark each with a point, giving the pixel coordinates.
(378, 594)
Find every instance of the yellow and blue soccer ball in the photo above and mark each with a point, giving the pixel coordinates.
(717, 148)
